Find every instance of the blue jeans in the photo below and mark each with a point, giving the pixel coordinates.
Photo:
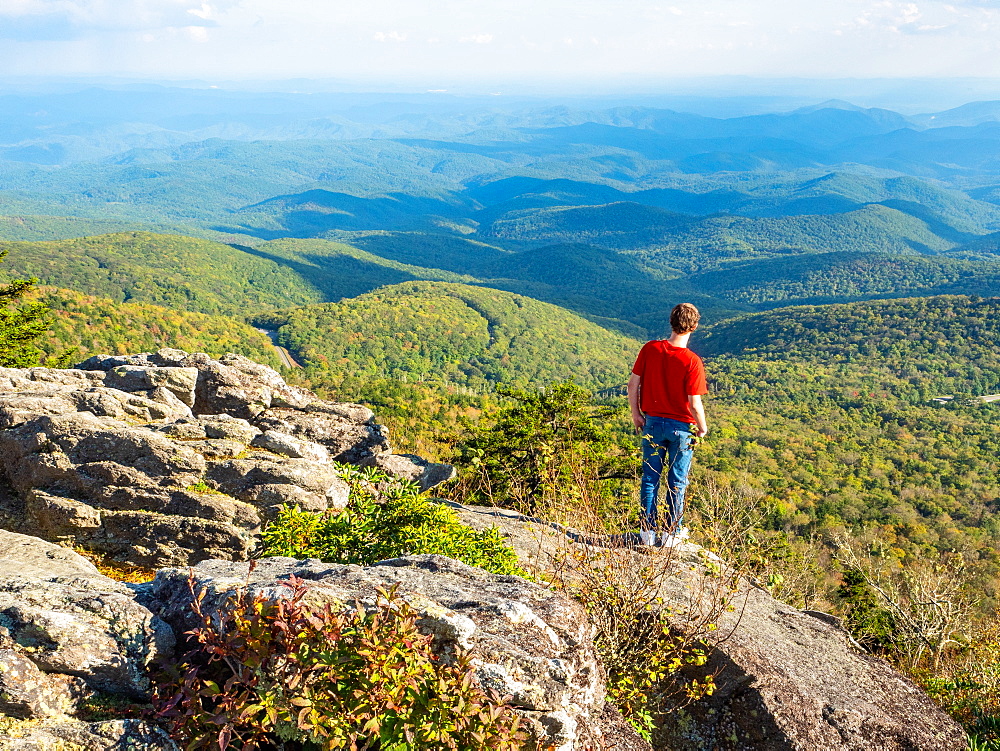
(670, 440)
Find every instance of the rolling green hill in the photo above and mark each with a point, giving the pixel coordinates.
(943, 344)
(317, 212)
(452, 332)
(457, 254)
(716, 240)
(984, 247)
(595, 281)
(35, 227)
(617, 225)
(179, 272)
(840, 277)
(674, 242)
(339, 270)
(84, 325)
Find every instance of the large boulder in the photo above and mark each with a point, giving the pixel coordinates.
(527, 641)
(67, 619)
(260, 477)
(66, 632)
(349, 435)
(169, 458)
(786, 679)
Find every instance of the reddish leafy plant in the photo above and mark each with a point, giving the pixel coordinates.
(283, 673)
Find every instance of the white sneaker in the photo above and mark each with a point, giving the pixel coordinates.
(648, 536)
(668, 540)
(683, 533)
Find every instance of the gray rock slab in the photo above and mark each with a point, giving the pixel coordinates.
(526, 640)
(292, 447)
(179, 381)
(241, 478)
(229, 428)
(31, 557)
(73, 629)
(151, 539)
(46, 379)
(21, 406)
(346, 439)
(27, 692)
(413, 469)
(58, 517)
(785, 679)
(114, 735)
(49, 451)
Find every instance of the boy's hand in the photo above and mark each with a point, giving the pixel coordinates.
(639, 421)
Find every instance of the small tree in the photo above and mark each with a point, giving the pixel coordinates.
(20, 324)
(869, 618)
(541, 446)
(927, 605)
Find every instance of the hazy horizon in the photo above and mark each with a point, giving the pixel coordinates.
(483, 46)
(716, 96)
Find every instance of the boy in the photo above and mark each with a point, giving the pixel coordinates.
(664, 391)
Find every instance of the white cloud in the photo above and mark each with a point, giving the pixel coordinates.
(204, 12)
(31, 18)
(476, 39)
(390, 36)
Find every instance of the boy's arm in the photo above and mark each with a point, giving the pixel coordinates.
(638, 419)
(698, 410)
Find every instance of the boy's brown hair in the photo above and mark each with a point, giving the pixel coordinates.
(684, 318)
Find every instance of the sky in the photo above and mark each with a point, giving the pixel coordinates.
(440, 40)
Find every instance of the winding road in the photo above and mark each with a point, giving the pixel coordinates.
(283, 354)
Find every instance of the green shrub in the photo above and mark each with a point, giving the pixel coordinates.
(288, 674)
(386, 518)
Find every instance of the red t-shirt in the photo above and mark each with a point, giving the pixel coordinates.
(669, 376)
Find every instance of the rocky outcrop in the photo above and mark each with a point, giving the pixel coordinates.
(67, 632)
(169, 458)
(786, 680)
(527, 641)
